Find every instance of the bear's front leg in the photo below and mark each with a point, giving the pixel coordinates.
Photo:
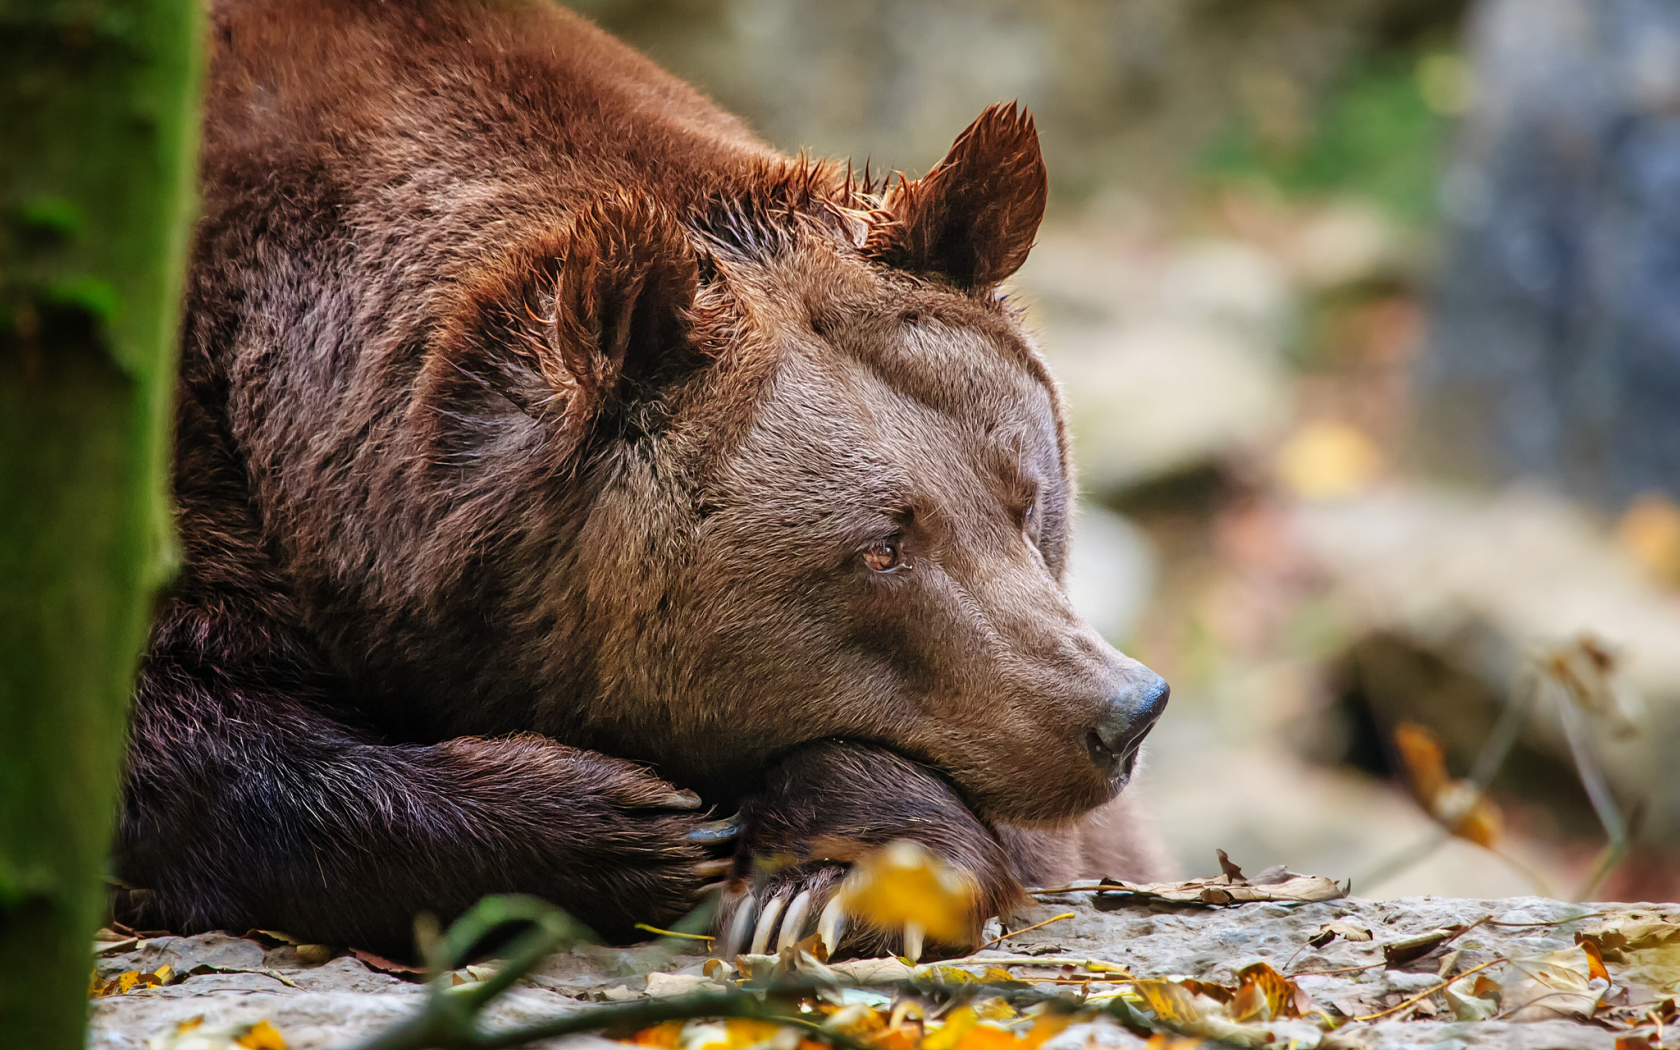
(824, 807)
(246, 804)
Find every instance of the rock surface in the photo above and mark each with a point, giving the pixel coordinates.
(342, 1001)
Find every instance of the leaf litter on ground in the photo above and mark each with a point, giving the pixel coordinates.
(1623, 976)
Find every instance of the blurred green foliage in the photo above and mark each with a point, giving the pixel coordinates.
(1381, 133)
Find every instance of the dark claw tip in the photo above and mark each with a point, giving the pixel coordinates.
(716, 831)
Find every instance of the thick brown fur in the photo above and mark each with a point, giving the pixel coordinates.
(539, 435)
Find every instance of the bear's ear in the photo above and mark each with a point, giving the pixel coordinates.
(973, 217)
(614, 313)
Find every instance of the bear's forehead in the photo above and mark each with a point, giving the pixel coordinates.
(916, 401)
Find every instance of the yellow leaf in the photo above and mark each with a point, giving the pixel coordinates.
(1169, 1002)
(1273, 992)
(1328, 460)
(1164, 1041)
(191, 1024)
(987, 1037)
(127, 981)
(902, 883)
(663, 1035)
(261, 1036)
(958, 1023)
(1047, 1027)
(997, 1010)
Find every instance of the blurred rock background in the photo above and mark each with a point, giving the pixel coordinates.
(1368, 316)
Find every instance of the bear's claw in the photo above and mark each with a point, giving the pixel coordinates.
(681, 799)
(710, 869)
(767, 924)
(716, 831)
(794, 920)
(831, 925)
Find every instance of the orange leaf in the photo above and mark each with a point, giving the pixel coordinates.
(987, 1037)
(1046, 1028)
(1277, 993)
(664, 1035)
(261, 1036)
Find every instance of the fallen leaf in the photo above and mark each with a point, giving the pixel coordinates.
(663, 1035)
(1331, 930)
(1276, 992)
(957, 1025)
(1641, 949)
(661, 985)
(1231, 871)
(261, 1036)
(1558, 984)
(1406, 949)
(384, 965)
(1473, 998)
(193, 1035)
(903, 884)
(1218, 891)
(129, 981)
(873, 971)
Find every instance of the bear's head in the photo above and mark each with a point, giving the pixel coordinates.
(818, 484)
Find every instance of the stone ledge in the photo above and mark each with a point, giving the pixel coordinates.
(335, 1003)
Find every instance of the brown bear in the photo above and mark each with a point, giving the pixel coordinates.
(558, 468)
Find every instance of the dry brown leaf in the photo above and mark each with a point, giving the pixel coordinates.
(384, 965)
(1331, 930)
(1473, 998)
(1641, 948)
(1219, 890)
(1558, 984)
(1405, 950)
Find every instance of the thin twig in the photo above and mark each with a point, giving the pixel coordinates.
(1549, 922)
(1598, 792)
(674, 933)
(1027, 929)
(1414, 1000)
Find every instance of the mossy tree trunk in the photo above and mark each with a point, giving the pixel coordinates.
(98, 135)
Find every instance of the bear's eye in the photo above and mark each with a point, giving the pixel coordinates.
(886, 556)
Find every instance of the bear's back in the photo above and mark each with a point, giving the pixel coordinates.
(364, 165)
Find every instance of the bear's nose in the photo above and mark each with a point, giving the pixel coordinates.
(1130, 715)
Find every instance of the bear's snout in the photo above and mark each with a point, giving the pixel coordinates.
(1130, 714)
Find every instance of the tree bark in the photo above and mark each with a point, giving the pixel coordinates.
(98, 135)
